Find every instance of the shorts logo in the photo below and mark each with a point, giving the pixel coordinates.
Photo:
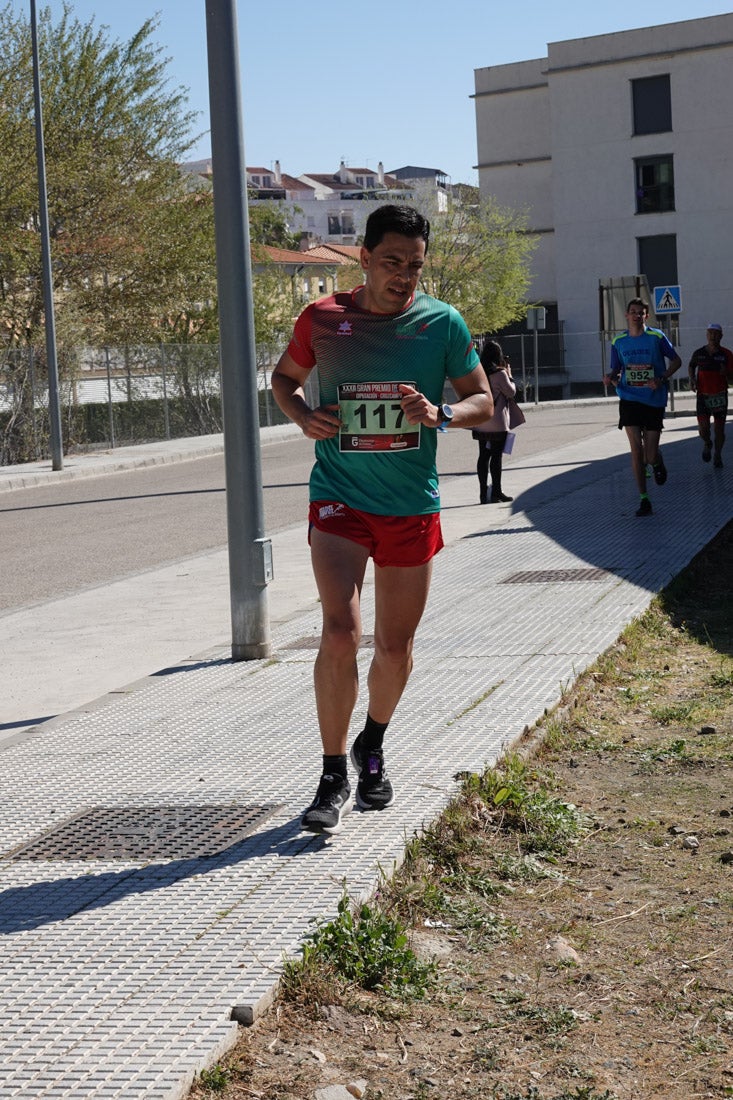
(344, 329)
(329, 511)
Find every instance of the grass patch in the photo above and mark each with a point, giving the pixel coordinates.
(362, 946)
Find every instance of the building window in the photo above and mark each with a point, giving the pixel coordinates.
(652, 104)
(654, 184)
(339, 224)
(658, 259)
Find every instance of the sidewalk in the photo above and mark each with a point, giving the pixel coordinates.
(153, 870)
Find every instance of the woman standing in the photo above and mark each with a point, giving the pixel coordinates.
(492, 433)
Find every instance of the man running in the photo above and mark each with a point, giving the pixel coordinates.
(640, 375)
(383, 353)
(710, 368)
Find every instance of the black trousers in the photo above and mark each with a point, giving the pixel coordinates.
(490, 453)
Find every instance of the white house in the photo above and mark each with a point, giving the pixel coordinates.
(619, 147)
(332, 207)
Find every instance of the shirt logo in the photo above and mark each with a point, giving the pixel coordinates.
(344, 329)
(328, 511)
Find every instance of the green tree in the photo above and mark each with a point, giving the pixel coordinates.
(132, 246)
(268, 225)
(113, 136)
(478, 259)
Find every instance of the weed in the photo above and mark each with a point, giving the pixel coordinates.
(526, 868)
(367, 948)
(723, 679)
(545, 823)
(551, 1021)
(676, 750)
(673, 713)
(708, 1045)
(215, 1079)
(485, 1058)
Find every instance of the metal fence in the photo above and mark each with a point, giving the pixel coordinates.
(116, 396)
(113, 397)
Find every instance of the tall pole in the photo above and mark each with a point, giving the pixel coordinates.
(250, 553)
(54, 406)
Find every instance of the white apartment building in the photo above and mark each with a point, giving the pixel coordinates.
(620, 149)
(332, 207)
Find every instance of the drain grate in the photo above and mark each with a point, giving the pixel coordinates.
(133, 833)
(555, 576)
(313, 642)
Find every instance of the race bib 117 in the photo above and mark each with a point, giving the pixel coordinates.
(372, 418)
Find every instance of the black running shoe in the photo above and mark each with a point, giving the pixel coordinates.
(660, 471)
(645, 507)
(706, 453)
(718, 462)
(333, 800)
(374, 790)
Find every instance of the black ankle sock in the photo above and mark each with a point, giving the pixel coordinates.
(372, 736)
(335, 765)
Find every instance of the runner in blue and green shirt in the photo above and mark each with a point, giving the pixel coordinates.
(383, 353)
(640, 374)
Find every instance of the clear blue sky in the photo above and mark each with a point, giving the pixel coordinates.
(379, 81)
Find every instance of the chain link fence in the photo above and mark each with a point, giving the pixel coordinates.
(113, 397)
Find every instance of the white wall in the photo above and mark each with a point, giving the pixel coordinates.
(586, 193)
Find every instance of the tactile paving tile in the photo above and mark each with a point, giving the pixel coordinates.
(133, 833)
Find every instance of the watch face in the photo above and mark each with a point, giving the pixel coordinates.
(446, 412)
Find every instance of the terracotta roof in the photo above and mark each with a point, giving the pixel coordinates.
(312, 256)
(290, 183)
(335, 253)
(327, 178)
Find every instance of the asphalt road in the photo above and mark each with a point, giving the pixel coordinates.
(62, 539)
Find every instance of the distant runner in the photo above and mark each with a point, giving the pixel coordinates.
(710, 368)
(640, 375)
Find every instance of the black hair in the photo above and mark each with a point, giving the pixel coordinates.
(395, 219)
(638, 302)
(491, 354)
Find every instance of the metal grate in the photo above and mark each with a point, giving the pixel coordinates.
(133, 833)
(555, 576)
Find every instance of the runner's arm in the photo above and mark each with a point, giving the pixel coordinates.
(474, 405)
(288, 382)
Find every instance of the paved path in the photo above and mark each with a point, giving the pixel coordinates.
(131, 945)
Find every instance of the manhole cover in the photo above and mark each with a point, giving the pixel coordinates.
(554, 576)
(134, 833)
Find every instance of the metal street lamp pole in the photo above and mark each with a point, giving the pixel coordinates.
(250, 553)
(54, 407)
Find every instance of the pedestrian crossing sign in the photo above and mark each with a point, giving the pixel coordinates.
(667, 299)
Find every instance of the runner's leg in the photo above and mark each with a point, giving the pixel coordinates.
(638, 461)
(400, 595)
(719, 422)
(338, 566)
(651, 448)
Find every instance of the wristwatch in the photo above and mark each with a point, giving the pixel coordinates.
(445, 414)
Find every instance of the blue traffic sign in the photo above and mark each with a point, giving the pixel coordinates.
(667, 299)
